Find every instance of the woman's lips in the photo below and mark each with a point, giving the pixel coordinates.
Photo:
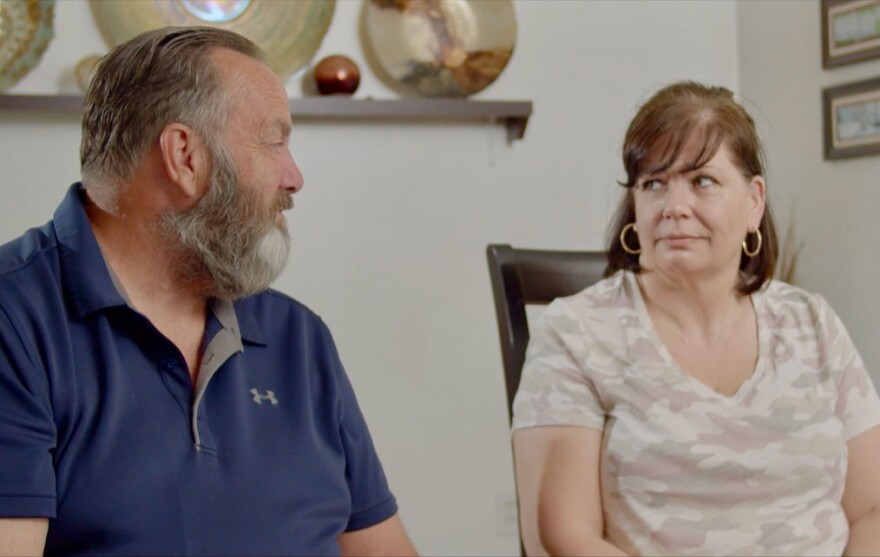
(679, 240)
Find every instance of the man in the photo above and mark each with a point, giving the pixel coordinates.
(156, 397)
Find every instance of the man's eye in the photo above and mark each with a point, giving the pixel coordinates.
(704, 181)
(649, 185)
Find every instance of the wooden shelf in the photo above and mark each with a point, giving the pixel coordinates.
(514, 114)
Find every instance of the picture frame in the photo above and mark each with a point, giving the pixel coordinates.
(850, 31)
(851, 114)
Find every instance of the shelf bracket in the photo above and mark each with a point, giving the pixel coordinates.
(516, 127)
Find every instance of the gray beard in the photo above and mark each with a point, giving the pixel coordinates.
(227, 245)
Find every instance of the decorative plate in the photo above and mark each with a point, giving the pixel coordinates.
(289, 31)
(26, 27)
(440, 48)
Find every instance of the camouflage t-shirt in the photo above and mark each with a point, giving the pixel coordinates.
(686, 470)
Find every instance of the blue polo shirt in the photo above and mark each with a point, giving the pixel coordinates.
(102, 431)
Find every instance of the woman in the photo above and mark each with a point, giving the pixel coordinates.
(687, 404)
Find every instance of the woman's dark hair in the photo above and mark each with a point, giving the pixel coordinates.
(663, 126)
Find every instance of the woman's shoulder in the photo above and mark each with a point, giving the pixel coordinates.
(598, 305)
(611, 292)
(593, 325)
(785, 300)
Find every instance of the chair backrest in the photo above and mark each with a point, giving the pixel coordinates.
(526, 276)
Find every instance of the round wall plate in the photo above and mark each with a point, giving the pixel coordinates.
(26, 28)
(289, 31)
(441, 48)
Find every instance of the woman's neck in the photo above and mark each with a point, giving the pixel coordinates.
(699, 303)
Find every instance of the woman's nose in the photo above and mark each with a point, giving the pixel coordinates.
(677, 202)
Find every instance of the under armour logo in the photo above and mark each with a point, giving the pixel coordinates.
(258, 398)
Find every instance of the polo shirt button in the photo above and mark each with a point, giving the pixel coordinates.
(168, 363)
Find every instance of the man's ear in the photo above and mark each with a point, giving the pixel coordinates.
(185, 158)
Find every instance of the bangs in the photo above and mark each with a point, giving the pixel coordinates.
(659, 150)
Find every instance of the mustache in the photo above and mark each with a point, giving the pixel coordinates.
(282, 202)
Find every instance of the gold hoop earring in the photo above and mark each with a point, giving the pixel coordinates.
(757, 249)
(625, 247)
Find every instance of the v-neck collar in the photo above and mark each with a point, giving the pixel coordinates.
(747, 387)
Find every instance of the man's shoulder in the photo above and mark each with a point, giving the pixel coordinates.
(19, 251)
(273, 301)
(16, 256)
(278, 311)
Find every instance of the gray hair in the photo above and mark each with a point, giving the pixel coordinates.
(157, 78)
(227, 245)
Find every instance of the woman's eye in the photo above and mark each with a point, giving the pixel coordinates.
(704, 181)
(650, 185)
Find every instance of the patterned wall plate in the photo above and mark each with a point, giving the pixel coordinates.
(441, 48)
(290, 31)
(26, 27)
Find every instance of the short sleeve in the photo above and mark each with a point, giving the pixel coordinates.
(371, 499)
(555, 388)
(27, 431)
(857, 405)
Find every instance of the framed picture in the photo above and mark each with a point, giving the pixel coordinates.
(852, 119)
(850, 31)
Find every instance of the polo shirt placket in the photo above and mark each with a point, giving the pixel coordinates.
(221, 343)
(224, 343)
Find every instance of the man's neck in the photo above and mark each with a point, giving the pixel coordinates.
(141, 261)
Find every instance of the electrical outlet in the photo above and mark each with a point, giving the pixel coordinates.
(506, 514)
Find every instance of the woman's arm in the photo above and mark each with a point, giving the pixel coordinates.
(23, 536)
(560, 503)
(861, 495)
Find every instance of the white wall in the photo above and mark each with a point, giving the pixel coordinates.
(390, 230)
(833, 204)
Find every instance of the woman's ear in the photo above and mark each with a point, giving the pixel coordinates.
(185, 159)
(758, 196)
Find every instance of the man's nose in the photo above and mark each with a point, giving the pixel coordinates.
(291, 178)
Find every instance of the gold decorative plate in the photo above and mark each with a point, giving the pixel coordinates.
(440, 48)
(26, 27)
(290, 31)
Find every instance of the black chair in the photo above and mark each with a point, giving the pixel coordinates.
(526, 276)
(523, 277)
